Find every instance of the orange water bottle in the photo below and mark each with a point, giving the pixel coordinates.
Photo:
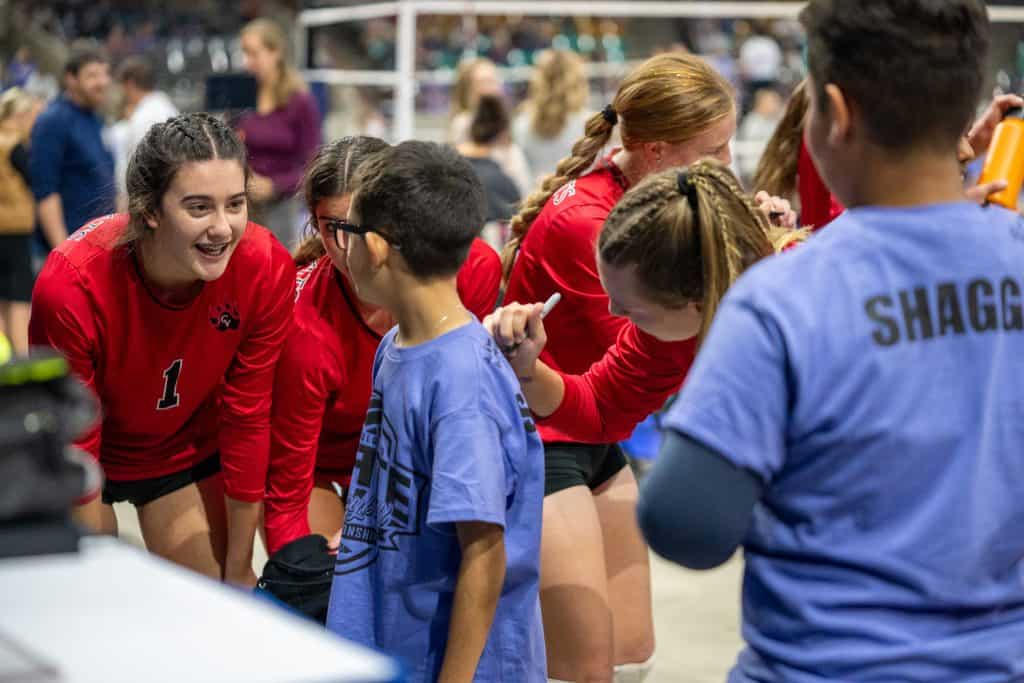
(1005, 160)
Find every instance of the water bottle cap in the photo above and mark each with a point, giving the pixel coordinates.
(1014, 113)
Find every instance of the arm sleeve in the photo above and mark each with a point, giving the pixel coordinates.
(571, 265)
(62, 319)
(49, 140)
(479, 279)
(305, 121)
(695, 507)
(468, 472)
(304, 379)
(246, 395)
(633, 380)
(737, 397)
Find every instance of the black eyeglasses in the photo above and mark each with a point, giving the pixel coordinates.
(338, 227)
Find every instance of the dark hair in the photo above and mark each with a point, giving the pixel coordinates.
(915, 68)
(329, 174)
(138, 71)
(83, 53)
(490, 120)
(426, 199)
(164, 150)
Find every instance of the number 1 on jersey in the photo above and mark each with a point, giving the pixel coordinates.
(170, 398)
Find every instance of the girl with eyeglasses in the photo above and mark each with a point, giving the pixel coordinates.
(323, 384)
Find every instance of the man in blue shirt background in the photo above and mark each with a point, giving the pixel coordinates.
(72, 170)
(855, 417)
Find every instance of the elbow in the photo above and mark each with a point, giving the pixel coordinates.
(693, 543)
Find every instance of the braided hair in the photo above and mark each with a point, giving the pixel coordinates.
(690, 233)
(668, 98)
(164, 149)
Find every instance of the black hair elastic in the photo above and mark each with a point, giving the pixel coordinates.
(610, 115)
(688, 189)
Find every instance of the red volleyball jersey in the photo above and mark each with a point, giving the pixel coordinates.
(633, 379)
(818, 206)
(176, 384)
(558, 255)
(323, 384)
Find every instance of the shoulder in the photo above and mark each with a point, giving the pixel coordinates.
(312, 345)
(96, 240)
(482, 258)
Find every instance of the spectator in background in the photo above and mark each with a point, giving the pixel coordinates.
(489, 129)
(20, 69)
(72, 170)
(473, 79)
(282, 134)
(144, 107)
(555, 111)
(760, 64)
(757, 129)
(18, 112)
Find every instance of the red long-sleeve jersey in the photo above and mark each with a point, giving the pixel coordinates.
(818, 206)
(558, 255)
(176, 384)
(633, 379)
(323, 385)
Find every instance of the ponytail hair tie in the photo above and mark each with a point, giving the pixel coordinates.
(610, 115)
(687, 188)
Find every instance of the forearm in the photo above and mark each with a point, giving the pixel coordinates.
(242, 519)
(477, 591)
(51, 220)
(543, 389)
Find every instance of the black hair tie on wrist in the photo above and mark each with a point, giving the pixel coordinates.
(610, 115)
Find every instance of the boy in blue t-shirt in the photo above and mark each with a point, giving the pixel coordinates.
(440, 553)
(855, 417)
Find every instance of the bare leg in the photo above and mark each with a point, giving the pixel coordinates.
(326, 511)
(628, 567)
(574, 589)
(189, 527)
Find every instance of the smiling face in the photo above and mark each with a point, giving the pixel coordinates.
(627, 298)
(201, 219)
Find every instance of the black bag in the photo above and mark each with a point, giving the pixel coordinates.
(300, 574)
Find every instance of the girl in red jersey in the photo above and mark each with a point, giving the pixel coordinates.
(666, 256)
(174, 314)
(323, 384)
(595, 582)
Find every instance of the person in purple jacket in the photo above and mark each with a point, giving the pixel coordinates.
(282, 134)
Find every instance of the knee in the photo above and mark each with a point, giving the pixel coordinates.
(637, 649)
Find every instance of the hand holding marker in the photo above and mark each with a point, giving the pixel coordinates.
(549, 305)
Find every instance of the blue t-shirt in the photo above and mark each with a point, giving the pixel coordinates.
(873, 378)
(448, 438)
(69, 158)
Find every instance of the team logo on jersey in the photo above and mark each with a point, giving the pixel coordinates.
(384, 501)
(225, 317)
(83, 232)
(564, 192)
(302, 277)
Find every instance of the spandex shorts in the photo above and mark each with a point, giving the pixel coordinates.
(576, 464)
(142, 491)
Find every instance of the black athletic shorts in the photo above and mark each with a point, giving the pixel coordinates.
(16, 276)
(578, 464)
(143, 491)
